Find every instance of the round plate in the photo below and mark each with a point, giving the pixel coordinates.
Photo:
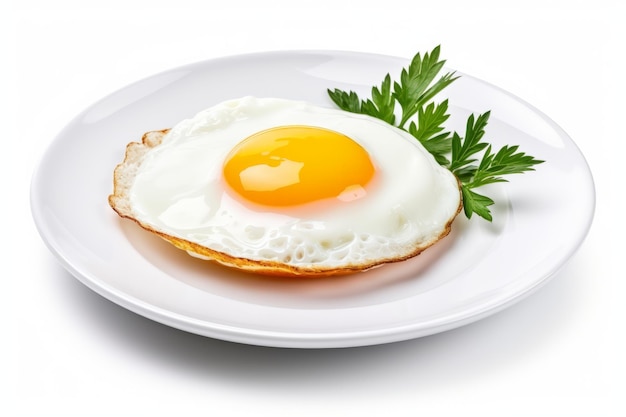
(540, 218)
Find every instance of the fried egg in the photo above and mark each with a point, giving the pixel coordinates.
(287, 188)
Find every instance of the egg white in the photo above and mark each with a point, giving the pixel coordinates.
(179, 190)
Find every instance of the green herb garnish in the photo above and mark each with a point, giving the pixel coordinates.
(414, 93)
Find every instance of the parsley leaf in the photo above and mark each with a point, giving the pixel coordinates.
(382, 104)
(414, 93)
(346, 101)
(490, 169)
(429, 130)
(462, 150)
(476, 203)
(415, 89)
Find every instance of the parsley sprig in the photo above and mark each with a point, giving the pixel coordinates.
(415, 95)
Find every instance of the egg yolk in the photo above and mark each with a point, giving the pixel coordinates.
(292, 165)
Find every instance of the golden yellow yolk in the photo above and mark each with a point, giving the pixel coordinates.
(292, 165)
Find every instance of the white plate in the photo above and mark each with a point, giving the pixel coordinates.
(541, 217)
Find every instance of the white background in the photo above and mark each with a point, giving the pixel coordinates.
(69, 352)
